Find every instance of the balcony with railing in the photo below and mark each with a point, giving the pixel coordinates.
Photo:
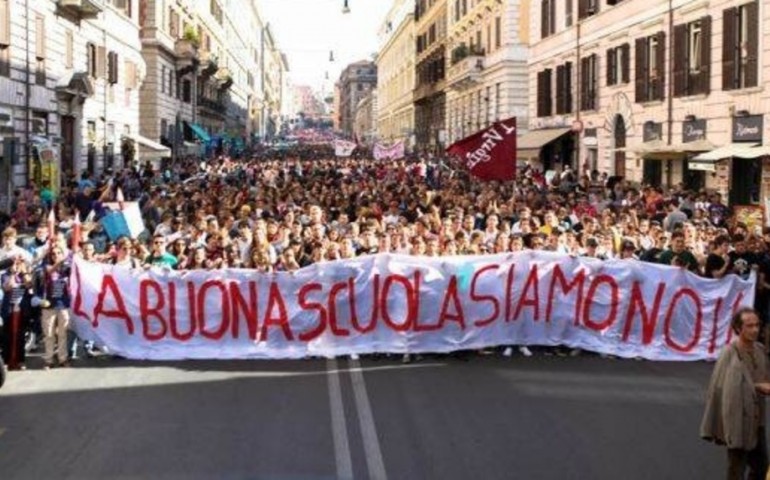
(466, 67)
(82, 9)
(212, 105)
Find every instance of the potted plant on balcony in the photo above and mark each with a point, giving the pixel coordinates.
(459, 52)
(190, 34)
(187, 46)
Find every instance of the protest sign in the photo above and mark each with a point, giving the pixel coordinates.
(400, 304)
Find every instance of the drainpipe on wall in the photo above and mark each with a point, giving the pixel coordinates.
(104, 103)
(27, 107)
(577, 97)
(670, 85)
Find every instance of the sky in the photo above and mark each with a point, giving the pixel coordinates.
(307, 30)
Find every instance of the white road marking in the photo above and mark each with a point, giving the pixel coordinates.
(342, 457)
(368, 430)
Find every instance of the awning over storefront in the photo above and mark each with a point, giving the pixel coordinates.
(740, 150)
(199, 132)
(702, 165)
(537, 139)
(702, 145)
(156, 149)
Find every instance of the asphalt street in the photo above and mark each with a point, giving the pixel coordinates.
(489, 417)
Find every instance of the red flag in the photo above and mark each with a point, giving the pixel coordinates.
(76, 232)
(491, 153)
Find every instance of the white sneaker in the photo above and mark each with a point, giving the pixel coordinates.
(507, 352)
(525, 351)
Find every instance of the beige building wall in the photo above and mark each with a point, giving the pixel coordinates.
(486, 64)
(395, 74)
(597, 141)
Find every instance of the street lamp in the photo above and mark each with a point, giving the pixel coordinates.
(331, 55)
(345, 7)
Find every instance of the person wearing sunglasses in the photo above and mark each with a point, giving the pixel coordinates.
(159, 257)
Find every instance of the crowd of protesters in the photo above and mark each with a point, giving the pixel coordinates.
(284, 213)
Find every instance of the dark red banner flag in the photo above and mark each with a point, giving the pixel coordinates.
(491, 153)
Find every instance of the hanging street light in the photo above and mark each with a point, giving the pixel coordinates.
(345, 7)
(331, 55)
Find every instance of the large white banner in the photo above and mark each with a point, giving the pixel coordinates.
(392, 152)
(343, 148)
(394, 303)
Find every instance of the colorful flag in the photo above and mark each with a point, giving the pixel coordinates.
(491, 153)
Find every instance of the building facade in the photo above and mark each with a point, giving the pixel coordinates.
(430, 18)
(70, 72)
(395, 74)
(486, 75)
(355, 83)
(365, 119)
(659, 92)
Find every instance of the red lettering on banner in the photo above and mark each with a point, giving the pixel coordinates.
(146, 312)
(410, 292)
(451, 296)
(485, 298)
(736, 305)
(182, 337)
(531, 285)
(332, 308)
(109, 285)
(637, 305)
(250, 310)
(224, 310)
(77, 306)
(715, 325)
(354, 309)
(304, 304)
(614, 300)
(565, 288)
(698, 320)
(509, 292)
(275, 302)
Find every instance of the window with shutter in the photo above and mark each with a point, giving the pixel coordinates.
(112, 67)
(660, 58)
(704, 73)
(5, 23)
(641, 70)
(498, 32)
(749, 14)
(729, 46)
(681, 63)
(559, 89)
(625, 62)
(584, 83)
(69, 43)
(567, 87)
(611, 79)
(568, 13)
(544, 23)
(40, 37)
(101, 62)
